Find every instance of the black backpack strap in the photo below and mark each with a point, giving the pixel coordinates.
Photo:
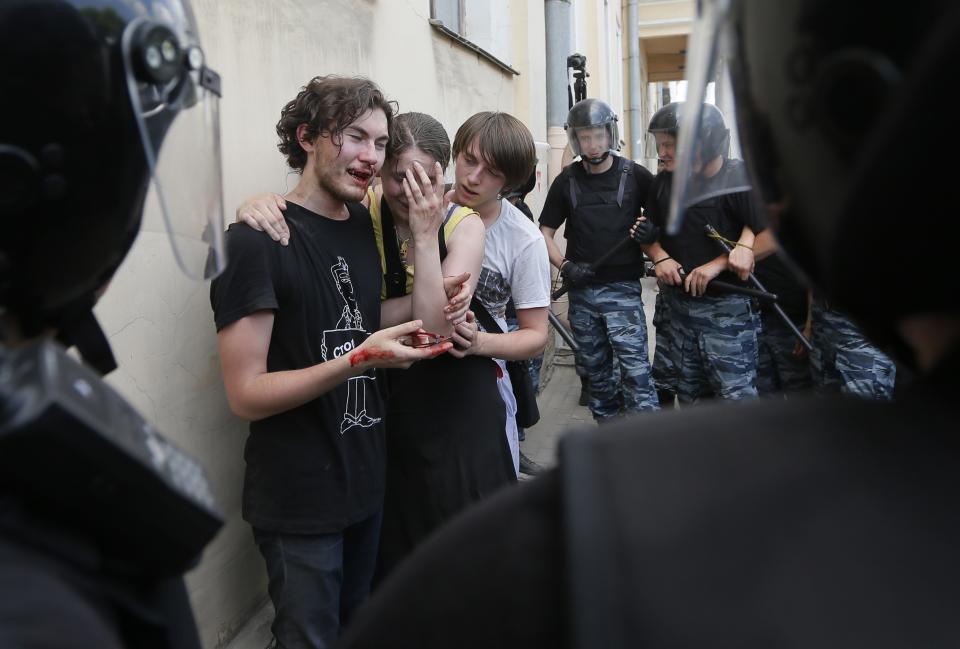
(626, 170)
(395, 279)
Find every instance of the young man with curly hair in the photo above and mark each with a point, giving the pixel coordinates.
(298, 336)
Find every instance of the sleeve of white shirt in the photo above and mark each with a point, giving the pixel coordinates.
(530, 284)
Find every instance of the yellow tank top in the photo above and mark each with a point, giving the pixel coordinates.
(449, 225)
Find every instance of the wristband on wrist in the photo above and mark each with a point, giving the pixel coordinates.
(661, 260)
(743, 245)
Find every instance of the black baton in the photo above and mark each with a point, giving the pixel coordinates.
(713, 234)
(595, 265)
(563, 331)
(727, 287)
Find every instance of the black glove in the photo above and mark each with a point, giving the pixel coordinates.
(645, 232)
(576, 273)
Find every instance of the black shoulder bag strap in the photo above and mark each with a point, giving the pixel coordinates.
(442, 240)
(483, 316)
(395, 278)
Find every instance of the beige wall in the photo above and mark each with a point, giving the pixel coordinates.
(160, 323)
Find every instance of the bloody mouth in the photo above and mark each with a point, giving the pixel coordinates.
(361, 177)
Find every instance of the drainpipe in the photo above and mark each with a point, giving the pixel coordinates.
(557, 24)
(635, 111)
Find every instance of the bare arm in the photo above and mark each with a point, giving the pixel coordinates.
(427, 209)
(264, 212)
(764, 245)
(667, 269)
(526, 342)
(553, 251)
(254, 393)
(464, 258)
(741, 259)
(399, 309)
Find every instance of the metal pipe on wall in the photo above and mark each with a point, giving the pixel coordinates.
(635, 110)
(557, 20)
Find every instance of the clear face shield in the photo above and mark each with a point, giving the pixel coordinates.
(175, 100)
(594, 143)
(663, 145)
(706, 136)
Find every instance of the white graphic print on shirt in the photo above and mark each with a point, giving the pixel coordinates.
(343, 340)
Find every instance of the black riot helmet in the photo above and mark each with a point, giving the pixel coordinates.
(662, 133)
(834, 114)
(713, 135)
(592, 118)
(90, 92)
(666, 119)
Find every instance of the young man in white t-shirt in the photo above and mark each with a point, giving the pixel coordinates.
(494, 153)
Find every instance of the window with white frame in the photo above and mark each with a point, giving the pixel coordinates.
(450, 13)
(481, 25)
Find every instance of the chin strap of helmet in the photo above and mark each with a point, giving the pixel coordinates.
(598, 161)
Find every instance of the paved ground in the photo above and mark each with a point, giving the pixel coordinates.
(559, 412)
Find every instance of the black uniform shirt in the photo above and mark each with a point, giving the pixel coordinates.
(728, 213)
(586, 244)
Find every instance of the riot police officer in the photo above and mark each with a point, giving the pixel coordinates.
(713, 337)
(90, 92)
(598, 198)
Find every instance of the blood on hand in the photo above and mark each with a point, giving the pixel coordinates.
(364, 355)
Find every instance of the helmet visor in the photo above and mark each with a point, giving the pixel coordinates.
(181, 113)
(591, 142)
(662, 146)
(705, 136)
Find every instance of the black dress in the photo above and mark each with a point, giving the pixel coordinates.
(446, 440)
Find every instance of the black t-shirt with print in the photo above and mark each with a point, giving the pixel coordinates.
(320, 467)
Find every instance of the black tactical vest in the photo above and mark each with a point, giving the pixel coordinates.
(600, 220)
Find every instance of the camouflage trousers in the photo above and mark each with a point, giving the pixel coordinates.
(778, 369)
(714, 346)
(664, 369)
(843, 361)
(608, 323)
